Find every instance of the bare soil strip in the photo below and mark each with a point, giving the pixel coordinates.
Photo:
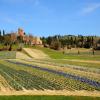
(52, 92)
(87, 61)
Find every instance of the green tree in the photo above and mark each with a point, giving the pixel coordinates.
(55, 44)
(49, 40)
(0, 32)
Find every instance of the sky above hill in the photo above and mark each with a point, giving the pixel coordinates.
(49, 17)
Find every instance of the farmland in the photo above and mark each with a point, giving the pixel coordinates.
(30, 75)
(85, 54)
(48, 76)
(49, 50)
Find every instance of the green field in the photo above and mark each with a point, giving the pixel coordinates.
(59, 57)
(24, 74)
(71, 55)
(76, 63)
(47, 98)
(68, 72)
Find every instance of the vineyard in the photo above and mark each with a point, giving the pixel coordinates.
(39, 75)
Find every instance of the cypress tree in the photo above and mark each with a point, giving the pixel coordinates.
(0, 32)
(3, 32)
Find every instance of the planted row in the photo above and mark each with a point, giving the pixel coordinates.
(85, 80)
(20, 79)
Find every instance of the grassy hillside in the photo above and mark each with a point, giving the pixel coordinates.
(72, 55)
(85, 59)
(52, 53)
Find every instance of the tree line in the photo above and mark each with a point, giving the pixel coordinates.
(55, 42)
(70, 41)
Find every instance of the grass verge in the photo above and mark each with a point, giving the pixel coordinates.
(48, 98)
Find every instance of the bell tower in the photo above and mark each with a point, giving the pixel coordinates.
(20, 32)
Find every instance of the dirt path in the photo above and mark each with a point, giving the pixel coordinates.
(87, 61)
(34, 53)
(53, 92)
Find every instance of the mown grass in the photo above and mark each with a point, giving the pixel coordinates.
(52, 53)
(77, 63)
(48, 98)
(59, 55)
(83, 57)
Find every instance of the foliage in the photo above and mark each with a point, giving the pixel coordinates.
(72, 41)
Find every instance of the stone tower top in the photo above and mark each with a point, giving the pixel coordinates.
(20, 32)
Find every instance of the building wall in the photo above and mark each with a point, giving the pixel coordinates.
(21, 32)
(27, 39)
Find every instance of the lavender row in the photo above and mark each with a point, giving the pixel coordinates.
(81, 68)
(19, 79)
(78, 78)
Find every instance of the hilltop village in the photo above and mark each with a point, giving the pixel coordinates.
(56, 42)
(19, 38)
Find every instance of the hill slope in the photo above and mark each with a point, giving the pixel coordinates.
(20, 55)
(34, 53)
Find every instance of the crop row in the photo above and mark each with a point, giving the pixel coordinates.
(81, 68)
(84, 80)
(89, 75)
(20, 79)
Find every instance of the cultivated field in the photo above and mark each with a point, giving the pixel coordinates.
(28, 75)
(32, 76)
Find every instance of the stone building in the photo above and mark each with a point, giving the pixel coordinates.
(20, 32)
(29, 39)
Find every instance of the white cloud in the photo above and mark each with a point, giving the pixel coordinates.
(90, 8)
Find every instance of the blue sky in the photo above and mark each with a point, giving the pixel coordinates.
(49, 17)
